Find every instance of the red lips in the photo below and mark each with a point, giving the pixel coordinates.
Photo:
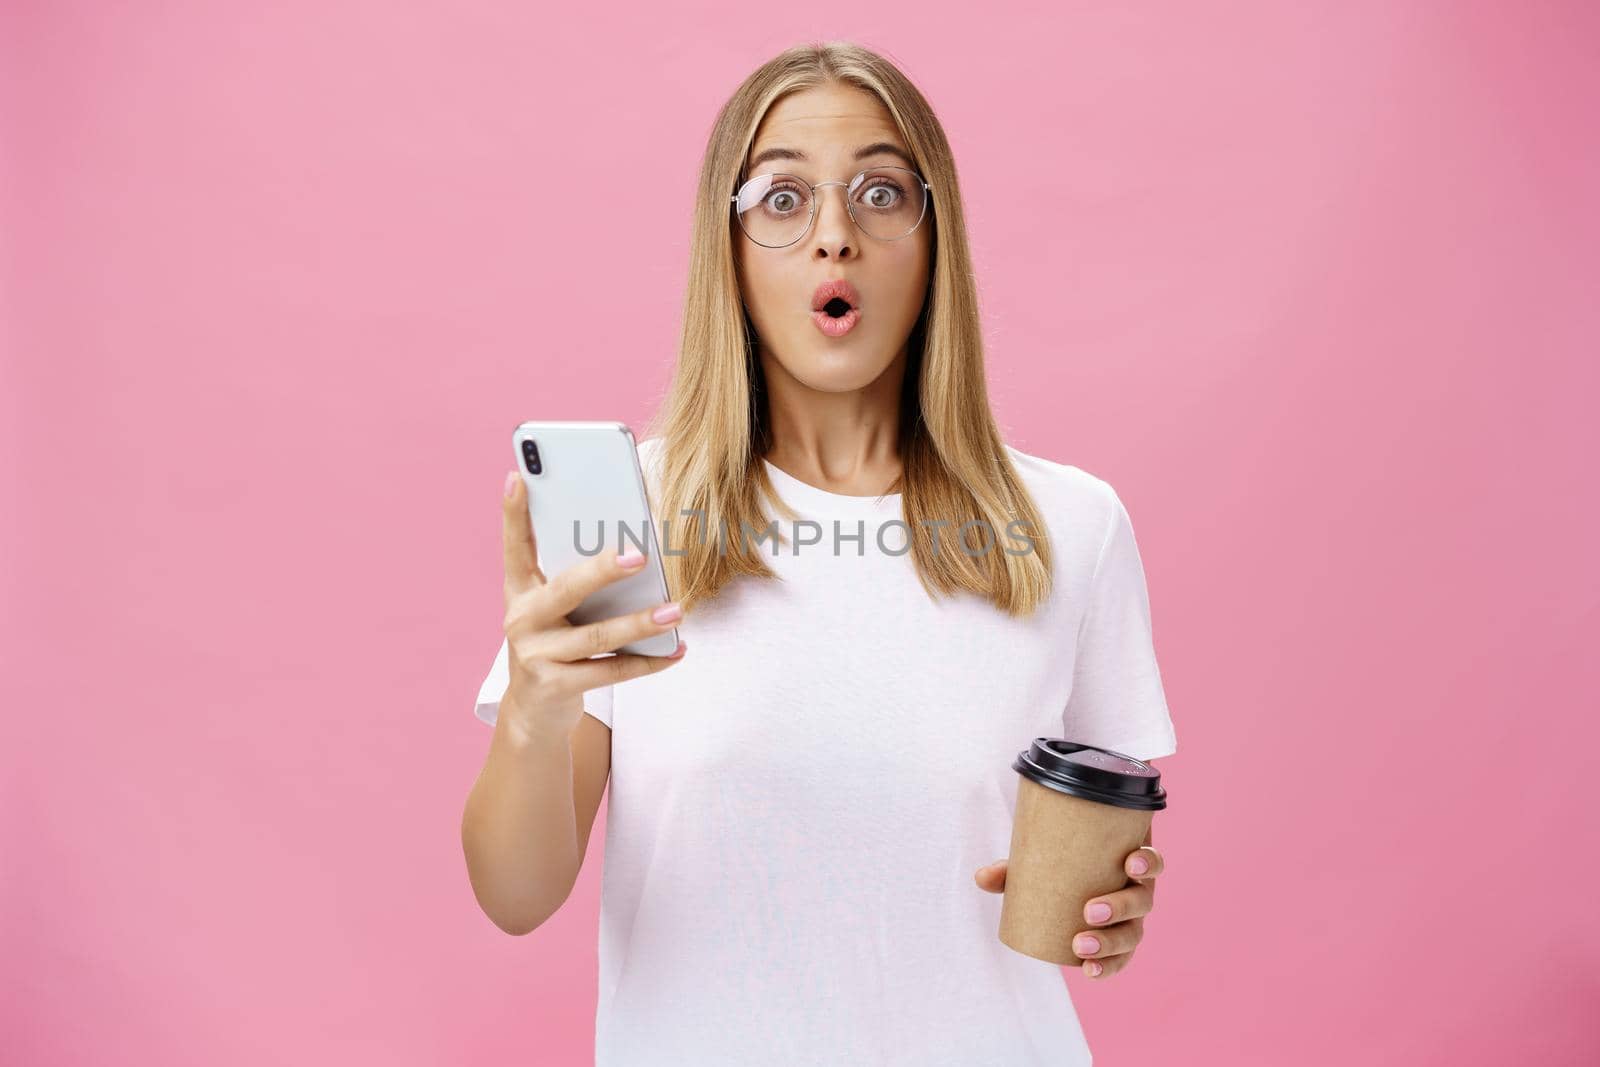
(838, 289)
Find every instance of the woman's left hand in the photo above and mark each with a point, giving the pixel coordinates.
(1115, 921)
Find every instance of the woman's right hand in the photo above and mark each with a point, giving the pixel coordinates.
(548, 656)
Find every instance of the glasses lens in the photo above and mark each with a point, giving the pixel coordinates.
(775, 209)
(888, 202)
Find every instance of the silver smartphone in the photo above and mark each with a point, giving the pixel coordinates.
(587, 497)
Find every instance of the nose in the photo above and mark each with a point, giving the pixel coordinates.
(833, 232)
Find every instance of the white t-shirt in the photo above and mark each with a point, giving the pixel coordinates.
(797, 809)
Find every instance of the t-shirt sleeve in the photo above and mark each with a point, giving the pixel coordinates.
(596, 702)
(1117, 701)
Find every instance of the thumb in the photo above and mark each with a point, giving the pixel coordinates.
(992, 877)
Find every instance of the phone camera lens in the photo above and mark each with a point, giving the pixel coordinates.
(530, 457)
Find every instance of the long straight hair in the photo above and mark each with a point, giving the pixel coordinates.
(713, 421)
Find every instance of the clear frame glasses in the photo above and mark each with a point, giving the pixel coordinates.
(776, 210)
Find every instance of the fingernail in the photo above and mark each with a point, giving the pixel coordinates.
(1099, 913)
(631, 558)
(1086, 946)
(666, 613)
(1138, 865)
(1095, 968)
(511, 483)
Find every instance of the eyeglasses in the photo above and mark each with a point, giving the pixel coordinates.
(776, 210)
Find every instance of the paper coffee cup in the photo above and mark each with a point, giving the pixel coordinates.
(1080, 811)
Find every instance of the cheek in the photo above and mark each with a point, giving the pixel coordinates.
(762, 285)
(912, 276)
(741, 260)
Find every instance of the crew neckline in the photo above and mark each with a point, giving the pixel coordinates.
(810, 499)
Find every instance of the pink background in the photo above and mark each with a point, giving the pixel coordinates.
(280, 278)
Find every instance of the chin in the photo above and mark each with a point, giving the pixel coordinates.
(841, 368)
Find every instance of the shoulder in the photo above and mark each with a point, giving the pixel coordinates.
(649, 451)
(1082, 512)
(1061, 488)
(650, 455)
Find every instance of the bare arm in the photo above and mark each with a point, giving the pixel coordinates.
(527, 822)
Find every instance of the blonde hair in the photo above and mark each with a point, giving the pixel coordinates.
(711, 422)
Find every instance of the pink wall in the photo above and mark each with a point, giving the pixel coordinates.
(279, 279)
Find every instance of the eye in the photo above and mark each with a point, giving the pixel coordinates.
(783, 200)
(881, 196)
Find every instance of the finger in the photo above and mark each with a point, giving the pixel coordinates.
(1110, 941)
(609, 670)
(992, 878)
(516, 537)
(1129, 903)
(1107, 966)
(1143, 863)
(608, 635)
(547, 604)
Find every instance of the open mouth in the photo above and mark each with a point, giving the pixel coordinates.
(835, 307)
(836, 296)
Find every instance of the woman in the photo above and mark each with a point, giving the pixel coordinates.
(799, 811)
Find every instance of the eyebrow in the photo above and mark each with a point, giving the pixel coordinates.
(876, 148)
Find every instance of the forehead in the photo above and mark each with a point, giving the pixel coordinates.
(826, 123)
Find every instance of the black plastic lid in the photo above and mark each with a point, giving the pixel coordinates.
(1092, 773)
